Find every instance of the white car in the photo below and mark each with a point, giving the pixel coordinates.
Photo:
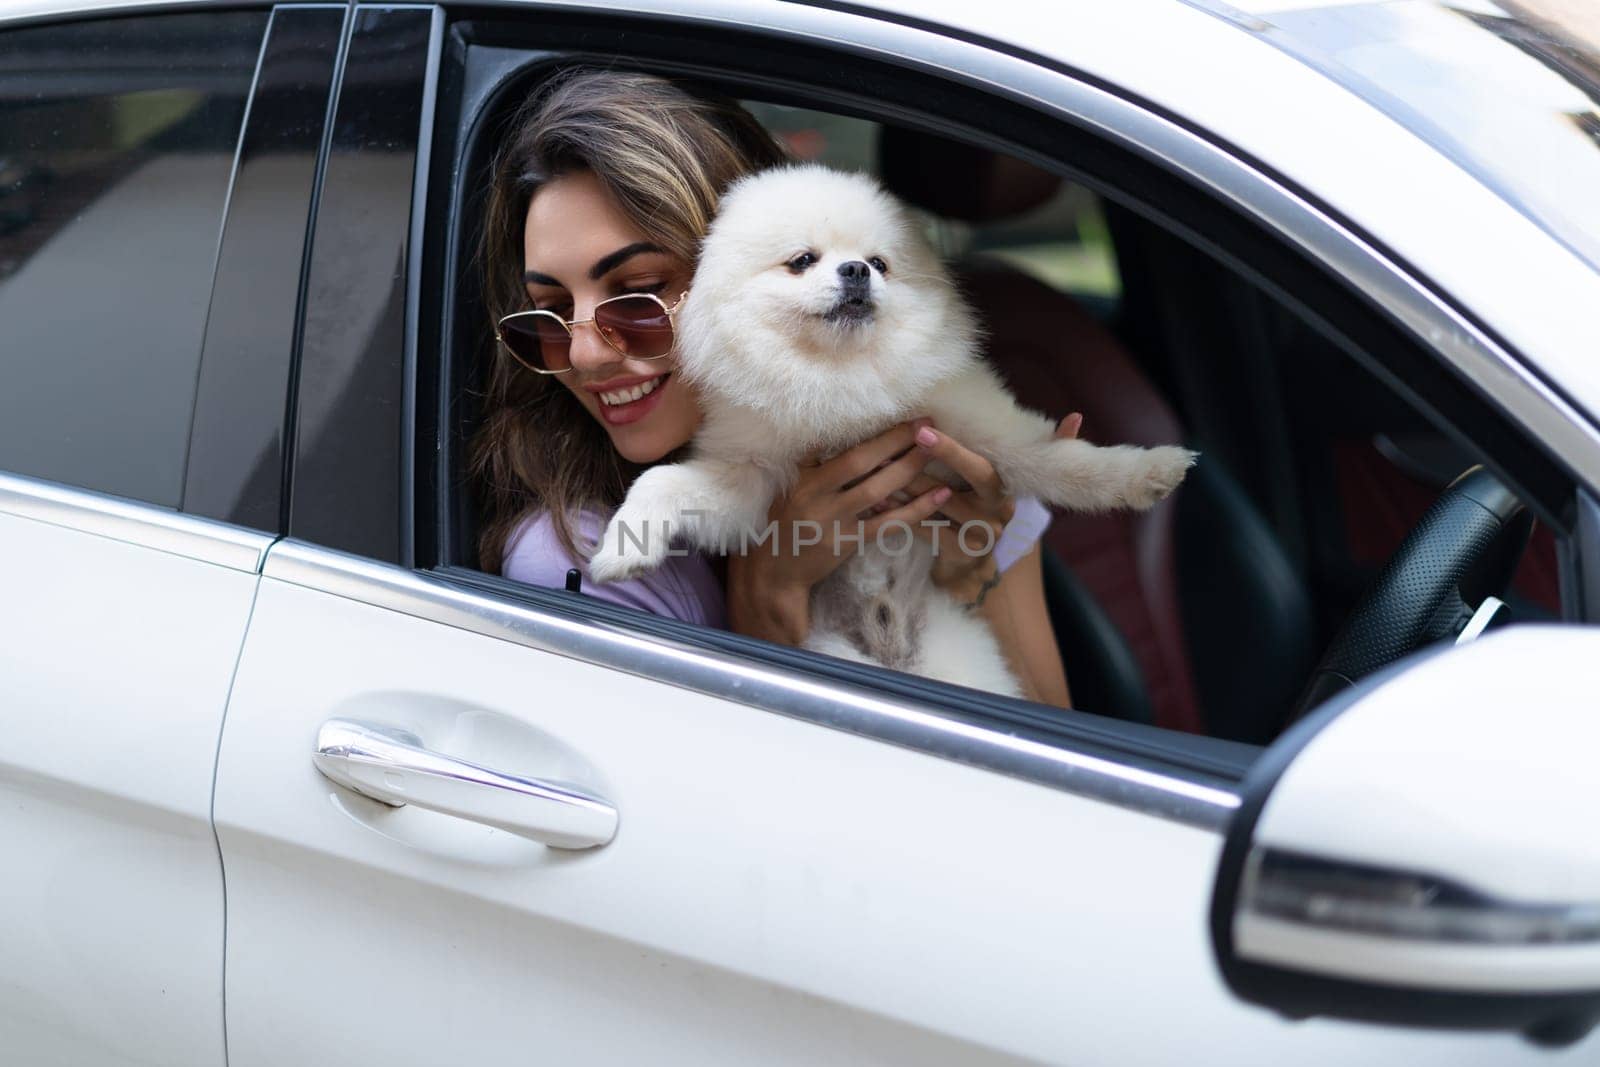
(285, 779)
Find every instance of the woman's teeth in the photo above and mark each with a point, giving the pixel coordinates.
(628, 396)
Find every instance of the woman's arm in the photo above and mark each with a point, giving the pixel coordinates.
(1015, 611)
(766, 607)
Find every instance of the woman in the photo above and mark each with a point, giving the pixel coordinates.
(605, 186)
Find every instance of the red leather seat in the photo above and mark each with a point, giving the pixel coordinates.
(1058, 358)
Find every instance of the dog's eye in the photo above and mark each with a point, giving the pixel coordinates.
(877, 264)
(799, 263)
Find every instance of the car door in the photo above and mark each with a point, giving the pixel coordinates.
(123, 611)
(753, 860)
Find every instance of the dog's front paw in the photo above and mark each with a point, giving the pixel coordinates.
(1158, 473)
(623, 554)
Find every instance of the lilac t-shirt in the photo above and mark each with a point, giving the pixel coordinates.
(685, 587)
(681, 588)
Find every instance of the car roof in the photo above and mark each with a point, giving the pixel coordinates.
(1509, 90)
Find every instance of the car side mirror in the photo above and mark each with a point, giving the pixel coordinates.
(1423, 850)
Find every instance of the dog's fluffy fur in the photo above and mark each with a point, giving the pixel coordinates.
(785, 369)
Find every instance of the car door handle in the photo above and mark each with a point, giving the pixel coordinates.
(392, 767)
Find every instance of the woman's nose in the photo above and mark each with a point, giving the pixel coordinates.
(590, 351)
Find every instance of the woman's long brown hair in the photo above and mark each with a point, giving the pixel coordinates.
(665, 155)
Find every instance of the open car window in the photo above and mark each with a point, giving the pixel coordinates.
(1156, 314)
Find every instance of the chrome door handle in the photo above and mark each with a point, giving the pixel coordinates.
(391, 766)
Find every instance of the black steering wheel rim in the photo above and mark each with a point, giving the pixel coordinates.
(1464, 548)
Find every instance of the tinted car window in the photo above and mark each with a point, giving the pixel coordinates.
(117, 141)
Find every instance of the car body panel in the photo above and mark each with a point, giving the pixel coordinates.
(776, 892)
(116, 654)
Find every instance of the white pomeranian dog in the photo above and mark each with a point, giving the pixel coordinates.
(819, 317)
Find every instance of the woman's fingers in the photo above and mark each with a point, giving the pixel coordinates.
(854, 464)
(942, 535)
(973, 468)
(971, 528)
(969, 507)
(886, 482)
(962, 506)
(1070, 426)
(910, 513)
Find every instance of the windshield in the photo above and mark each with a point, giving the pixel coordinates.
(1509, 90)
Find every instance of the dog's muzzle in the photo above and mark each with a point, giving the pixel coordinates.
(854, 303)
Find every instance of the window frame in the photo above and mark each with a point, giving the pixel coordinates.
(1244, 206)
(241, 430)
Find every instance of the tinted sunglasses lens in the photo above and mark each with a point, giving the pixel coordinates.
(635, 326)
(539, 341)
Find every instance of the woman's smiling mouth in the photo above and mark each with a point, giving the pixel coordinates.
(628, 401)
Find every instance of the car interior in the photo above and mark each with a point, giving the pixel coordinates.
(1324, 436)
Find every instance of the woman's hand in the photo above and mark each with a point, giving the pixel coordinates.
(964, 564)
(815, 526)
(881, 481)
(1016, 611)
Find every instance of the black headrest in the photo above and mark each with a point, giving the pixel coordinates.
(958, 181)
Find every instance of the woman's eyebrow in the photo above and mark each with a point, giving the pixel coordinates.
(605, 264)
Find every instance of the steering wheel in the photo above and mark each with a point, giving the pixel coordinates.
(1463, 551)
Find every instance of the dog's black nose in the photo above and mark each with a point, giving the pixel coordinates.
(855, 271)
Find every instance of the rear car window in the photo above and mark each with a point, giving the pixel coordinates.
(117, 143)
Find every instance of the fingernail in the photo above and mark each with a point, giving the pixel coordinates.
(927, 438)
(942, 494)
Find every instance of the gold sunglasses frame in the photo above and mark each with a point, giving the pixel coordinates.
(568, 324)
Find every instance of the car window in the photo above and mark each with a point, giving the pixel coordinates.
(1204, 617)
(117, 142)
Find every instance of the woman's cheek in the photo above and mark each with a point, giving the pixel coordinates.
(675, 422)
(667, 429)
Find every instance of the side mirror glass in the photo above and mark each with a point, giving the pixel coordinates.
(1423, 850)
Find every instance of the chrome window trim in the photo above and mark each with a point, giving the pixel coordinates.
(1148, 789)
(134, 523)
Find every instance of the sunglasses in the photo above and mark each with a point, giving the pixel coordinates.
(637, 325)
